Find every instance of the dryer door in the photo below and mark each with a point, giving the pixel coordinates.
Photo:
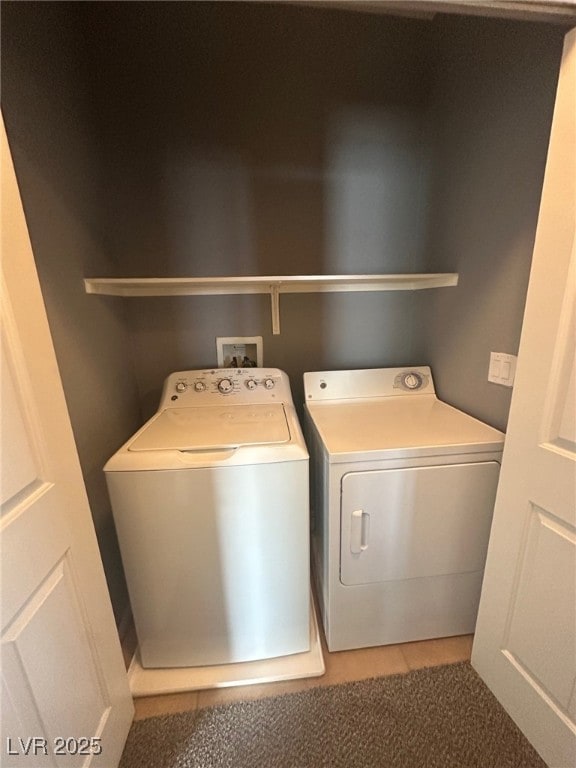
(416, 522)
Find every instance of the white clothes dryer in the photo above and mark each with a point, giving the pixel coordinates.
(403, 490)
(211, 505)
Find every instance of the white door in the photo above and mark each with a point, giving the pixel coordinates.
(65, 695)
(525, 644)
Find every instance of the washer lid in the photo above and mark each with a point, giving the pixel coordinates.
(399, 427)
(208, 427)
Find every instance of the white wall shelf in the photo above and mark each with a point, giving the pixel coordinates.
(274, 286)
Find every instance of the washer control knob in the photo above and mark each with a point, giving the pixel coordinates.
(225, 386)
(269, 383)
(412, 381)
(199, 386)
(181, 386)
(251, 384)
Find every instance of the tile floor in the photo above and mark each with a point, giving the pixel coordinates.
(342, 666)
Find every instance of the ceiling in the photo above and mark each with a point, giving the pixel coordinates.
(555, 11)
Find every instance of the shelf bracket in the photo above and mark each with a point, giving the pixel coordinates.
(275, 308)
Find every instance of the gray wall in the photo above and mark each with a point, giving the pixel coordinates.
(256, 139)
(492, 107)
(50, 120)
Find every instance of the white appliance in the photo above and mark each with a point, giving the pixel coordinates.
(403, 489)
(210, 500)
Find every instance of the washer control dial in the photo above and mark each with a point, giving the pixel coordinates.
(251, 384)
(225, 386)
(412, 380)
(199, 386)
(181, 386)
(269, 383)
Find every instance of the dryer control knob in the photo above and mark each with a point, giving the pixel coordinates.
(269, 383)
(199, 386)
(251, 384)
(225, 386)
(181, 386)
(412, 381)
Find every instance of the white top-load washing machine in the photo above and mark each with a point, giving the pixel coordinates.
(403, 494)
(211, 505)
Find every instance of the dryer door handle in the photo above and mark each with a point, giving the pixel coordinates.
(359, 531)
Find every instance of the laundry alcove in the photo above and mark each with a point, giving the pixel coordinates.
(238, 139)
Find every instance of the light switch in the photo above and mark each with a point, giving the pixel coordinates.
(495, 365)
(502, 368)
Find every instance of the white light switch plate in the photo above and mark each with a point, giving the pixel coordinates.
(502, 368)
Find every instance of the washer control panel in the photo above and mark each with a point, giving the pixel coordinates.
(214, 385)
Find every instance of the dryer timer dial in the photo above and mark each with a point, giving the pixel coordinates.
(412, 380)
